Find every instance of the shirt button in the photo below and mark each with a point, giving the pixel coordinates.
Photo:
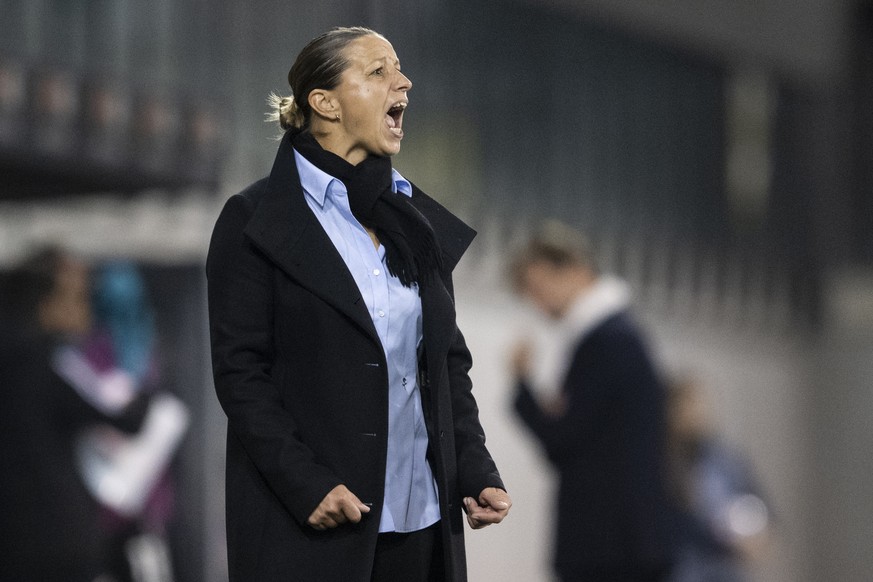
(376, 272)
(381, 313)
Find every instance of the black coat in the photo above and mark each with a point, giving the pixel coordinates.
(612, 508)
(49, 530)
(302, 377)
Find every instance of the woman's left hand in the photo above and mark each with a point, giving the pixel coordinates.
(491, 507)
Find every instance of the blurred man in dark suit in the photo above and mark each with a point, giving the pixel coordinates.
(604, 429)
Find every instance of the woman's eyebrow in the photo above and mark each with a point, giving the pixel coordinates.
(383, 61)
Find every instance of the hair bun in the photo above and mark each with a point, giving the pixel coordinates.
(284, 111)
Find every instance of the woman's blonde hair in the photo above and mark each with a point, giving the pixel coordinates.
(318, 66)
(284, 111)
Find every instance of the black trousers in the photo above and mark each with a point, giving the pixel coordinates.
(412, 557)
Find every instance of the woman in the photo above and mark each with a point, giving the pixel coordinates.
(353, 436)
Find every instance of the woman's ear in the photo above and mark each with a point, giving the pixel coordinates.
(324, 104)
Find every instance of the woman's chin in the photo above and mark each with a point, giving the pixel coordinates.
(391, 148)
(391, 141)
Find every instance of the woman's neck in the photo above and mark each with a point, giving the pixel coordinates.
(330, 141)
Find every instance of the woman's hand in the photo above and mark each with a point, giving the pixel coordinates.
(338, 507)
(491, 507)
(521, 358)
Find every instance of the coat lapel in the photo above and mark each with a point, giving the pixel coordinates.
(287, 231)
(437, 303)
(453, 235)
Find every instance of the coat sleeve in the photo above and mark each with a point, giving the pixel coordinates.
(476, 468)
(610, 383)
(240, 295)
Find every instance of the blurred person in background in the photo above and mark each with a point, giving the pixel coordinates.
(604, 429)
(724, 521)
(49, 530)
(354, 442)
(120, 352)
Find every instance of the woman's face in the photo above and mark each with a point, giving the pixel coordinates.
(67, 309)
(554, 288)
(371, 98)
(548, 287)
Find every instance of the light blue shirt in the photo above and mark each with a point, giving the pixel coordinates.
(411, 501)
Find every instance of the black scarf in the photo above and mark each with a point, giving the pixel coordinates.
(412, 253)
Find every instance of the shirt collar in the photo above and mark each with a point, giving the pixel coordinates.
(316, 183)
(608, 296)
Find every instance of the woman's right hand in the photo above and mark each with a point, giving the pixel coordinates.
(338, 507)
(520, 360)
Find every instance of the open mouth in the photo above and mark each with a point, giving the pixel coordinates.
(394, 117)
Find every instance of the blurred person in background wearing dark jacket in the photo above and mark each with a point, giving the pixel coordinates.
(49, 530)
(725, 522)
(604, 430)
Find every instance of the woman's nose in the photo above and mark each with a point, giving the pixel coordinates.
(403, 82)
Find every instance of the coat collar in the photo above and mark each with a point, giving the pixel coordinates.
(437, 300)
(285, 229)
(453, 235)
